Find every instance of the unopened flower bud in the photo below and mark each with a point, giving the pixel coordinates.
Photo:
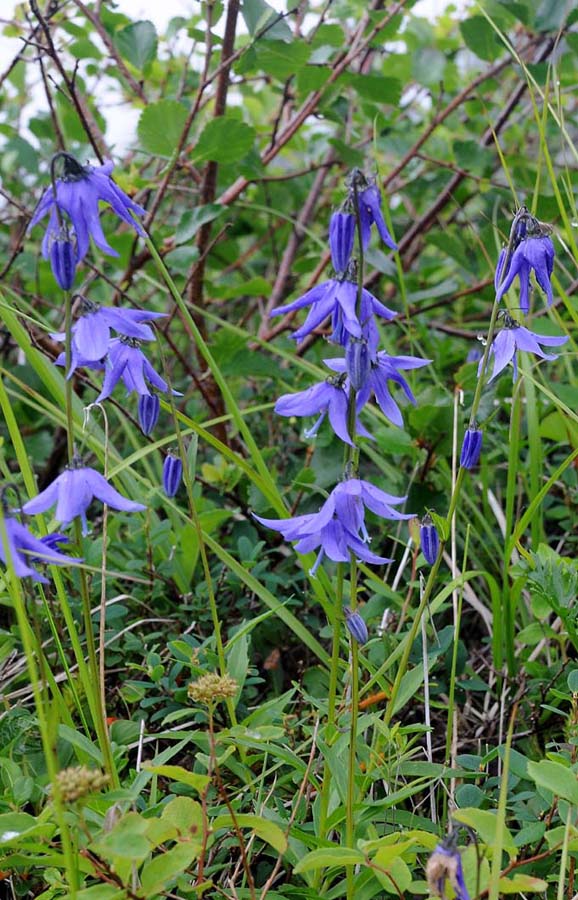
(172, 474)
(148, 412)
(356, 625)
(341, 237)
(358, 362)
(430, 542)
(471, 448)
(63, 259)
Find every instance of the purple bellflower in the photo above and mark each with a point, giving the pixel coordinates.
(356, 625)
(329, 398)
(514, 337)
(91, 331)
(370, 213)
(78, 193)
(358, 362)
(338, 298)
(127, 361)
(63, 258)
(73, 491)
(77, 361)
(149, 407)
(341, 238)
(429, 538)
(471, 448)
(383, 369)
(172, 474)
(339, 527)
(22, 549)
(445, 867)
(532, 254)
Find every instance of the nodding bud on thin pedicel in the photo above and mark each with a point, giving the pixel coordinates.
(149, 407)
(341, 238)
(471, 448)
(172, 474)
(430, 542)
(63, 258)
(356, 626)
(358, 362)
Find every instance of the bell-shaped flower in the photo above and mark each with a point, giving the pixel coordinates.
(149, 407)
(73, 491)
(127, 361)
(63, 257)
(370, 213)
(356, 625)
(341, 238)
(329, 398)
(172, 474)
(444, 867)
(339, 527)
(78, 193)
(514, 337)
(532, 254)
(22, 549)
(338, 298)
(471, 448)
(384, 368)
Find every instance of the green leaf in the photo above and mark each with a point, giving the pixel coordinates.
(521, 882)
(15, 826)
(263, 828)
(572, 681)
(428, 66)
(181, 775)
(194, 218)
(281, 60)
(258, 14)
(481, 38)
(160, 127)
(224, 140)
(485, 823)
(160, 871)
(187, 817)
(378, 88)
(555, 777)
(137, 43)
(329, 856)
(127, 840)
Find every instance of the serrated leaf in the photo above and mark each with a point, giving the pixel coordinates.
(379, 88)
(224, 140)
(137, 43)
(263, 828)
(555, 777)
(160, 126)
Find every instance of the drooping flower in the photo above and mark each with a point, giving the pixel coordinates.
(91, 331)
(341, 238)
(384, 368)
(339, 527)
(445, 867)
(370, 213)
(330, 398)
(22, 548)
(73, 491)
(77, 361)
(532, 254)
(471, 448)
(78, 193)
(358, 362)
(356, 625)
(127, 361)
(172, 474)
(338, 298)
(429, 538)
(63, 258)
(149, 407)
(514, 337)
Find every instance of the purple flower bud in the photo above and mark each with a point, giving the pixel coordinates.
(430, 542)
(172, 474)
(356, 626)
(471, 448)
(358, 362)
(149, 407)
(341, 237)
(63, 259)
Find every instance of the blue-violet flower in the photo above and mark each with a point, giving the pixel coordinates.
(471, 448)
(429, 538)
(172, 474)
(533, 253)
(330, 398)
(78, 193)
(445, 867)
(63, 259)
(72, 492)
(127, 361)
(370, 213)
(341, 238)
(149, 407)
(514, 337)
(22, 548)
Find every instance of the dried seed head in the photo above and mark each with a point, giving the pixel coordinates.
(212, 688)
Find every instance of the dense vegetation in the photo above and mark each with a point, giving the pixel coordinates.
(213, 683)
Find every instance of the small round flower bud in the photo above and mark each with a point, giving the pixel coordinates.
(430, 542)
(78, 781)
(471, 448)
(358, 362)
(341, 237)
(212, 688)
(149, 407)
(172, 474)
(63, 259)
(356, 626)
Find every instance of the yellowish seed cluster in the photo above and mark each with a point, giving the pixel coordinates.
(212, 688)
(78, 781)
